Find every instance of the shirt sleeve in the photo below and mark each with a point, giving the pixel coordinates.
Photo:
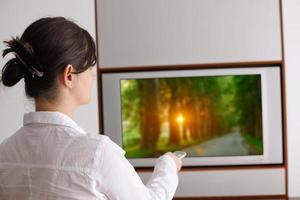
(119, 179)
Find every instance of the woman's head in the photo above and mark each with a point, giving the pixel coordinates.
(52, 53)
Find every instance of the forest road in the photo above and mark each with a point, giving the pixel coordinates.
(231, 144)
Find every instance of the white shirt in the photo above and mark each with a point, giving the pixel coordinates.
(51, 157)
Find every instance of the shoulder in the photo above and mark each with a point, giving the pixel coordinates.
(111, 147)
(107, 151)
(81, 150)
(91, 149)
(105, 145)
(81, 139)
(89, 142)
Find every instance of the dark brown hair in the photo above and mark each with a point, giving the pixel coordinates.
(46, 47)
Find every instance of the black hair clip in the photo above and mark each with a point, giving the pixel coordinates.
(34, 72)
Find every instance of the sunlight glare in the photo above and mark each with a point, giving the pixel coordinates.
(180, 119)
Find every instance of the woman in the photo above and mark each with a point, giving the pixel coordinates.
(51, 157)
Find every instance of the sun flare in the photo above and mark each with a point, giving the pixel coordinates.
(180, 119)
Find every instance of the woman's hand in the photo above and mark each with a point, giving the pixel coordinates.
(178, 161)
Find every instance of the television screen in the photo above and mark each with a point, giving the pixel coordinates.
(203, 116)
(219, 116)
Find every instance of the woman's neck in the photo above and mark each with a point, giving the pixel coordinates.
(42, 104)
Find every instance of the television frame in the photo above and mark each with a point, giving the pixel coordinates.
(271, 76)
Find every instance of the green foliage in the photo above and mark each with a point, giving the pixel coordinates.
(248, 103)
(256, 144)
(130, 112)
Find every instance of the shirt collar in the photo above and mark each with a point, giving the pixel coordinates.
(48, 117)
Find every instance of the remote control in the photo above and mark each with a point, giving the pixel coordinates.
(180, 154)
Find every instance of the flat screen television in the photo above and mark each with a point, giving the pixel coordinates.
(219, 116)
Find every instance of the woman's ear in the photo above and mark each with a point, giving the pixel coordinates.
(68, 76)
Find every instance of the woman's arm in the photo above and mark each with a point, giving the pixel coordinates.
(119, 180)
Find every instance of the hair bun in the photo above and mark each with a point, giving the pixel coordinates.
(12, 73)
(24, 61)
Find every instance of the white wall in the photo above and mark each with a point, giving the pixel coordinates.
(143, 32)
(291, 18)
(15, 16)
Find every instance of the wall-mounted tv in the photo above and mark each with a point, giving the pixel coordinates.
(219, 116)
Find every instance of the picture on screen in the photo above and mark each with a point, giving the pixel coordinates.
(205, 116)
